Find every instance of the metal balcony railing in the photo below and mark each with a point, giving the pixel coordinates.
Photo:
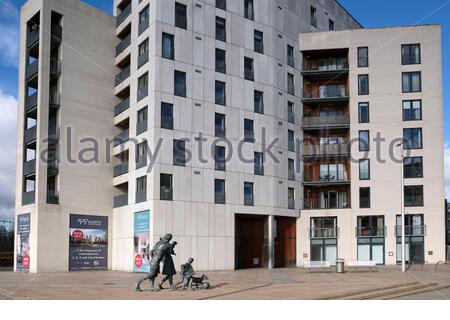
(121, 137)
(327, 179)
(33, 37)
(291, 117)
(28, 197)
(55, 100)
(122, 75)
(123, 44)
(55, 66)
(411, 230)
(141, 127)
(120, 201)
(123, 15)
(143, 25)
(141, 161)
(317, 233)
(53, 132)
(56, 34)
(31, 102)
(324, 150)
(165, 193)
(315, 203)
(29, 167)
(141, 196)
(370, 231)
(142, 59)
(32, 69)
(142, 93)
(120, 169)
(327, 121)
(325, 92)
(333, 64)
(30, 135)
(122, 106)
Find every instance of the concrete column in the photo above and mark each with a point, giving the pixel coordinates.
(271, 241)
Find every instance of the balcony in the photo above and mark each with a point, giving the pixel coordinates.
(56, 35)
(141, 196)
(121, 137)
(28, 197)
(52, 166)
(325, 94)
(55, 101)
(419, 231)
(55, 67)
(53, 132)
(335, 197)
(332, 68)
(33, 37)
(143, 25)
(122, 75)
(323, 233)
(309, 180)
(123, 15)
(31, 102)
(32, 69)
(29, 168)
(332, 122)
(122, 106)
(120, 169)
(123, 44)
(52, 197)
(30, 135)
(325, 150)
(362, 232)
(120, 201)
(142, 59)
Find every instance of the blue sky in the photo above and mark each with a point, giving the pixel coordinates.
(370, 13)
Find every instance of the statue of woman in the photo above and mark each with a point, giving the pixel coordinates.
(168, 266)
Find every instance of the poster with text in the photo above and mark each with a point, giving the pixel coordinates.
(23, 242)
(141, 241)
(88, 242)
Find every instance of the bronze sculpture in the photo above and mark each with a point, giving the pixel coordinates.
(168, 266)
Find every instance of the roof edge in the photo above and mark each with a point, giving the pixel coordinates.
(346, 11)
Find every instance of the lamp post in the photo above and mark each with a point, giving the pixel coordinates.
(402, 208)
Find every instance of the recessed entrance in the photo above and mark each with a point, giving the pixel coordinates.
(250, 238)
(285, 242)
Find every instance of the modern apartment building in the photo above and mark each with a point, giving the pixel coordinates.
(193, 93)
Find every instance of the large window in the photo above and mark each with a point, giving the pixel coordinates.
(313, 14)
(168, 48)
(363, 57)
(333, 172)
(364, 140)
(180, 16)
(258, 101)
(364, 197)
(364, 169)
(142, 91)
(219, 158)
(324, 234)
(220, 130)
(141, 125)
(291, 112)
(290, 56)
(291, 198)
(221, 65)
(249, 10)
(180, 83)
(141, 155)
(291, 141)
(258, 41)
(166, 186)
(370, 233)
(411, 82)
(412, 138)
(290, 84)
(413, 167)
(143, 53)
(248, 193)
(413, 196)
(259, 163)
(166, 115)
(179, 152)
(221, 30)
(291, 169)
(220, 93)
(221, 4)
(141, 189)
(249, 72)
(412, 110)
(333, 200)
(249, 134)
(410, 54)
(219, 191)
(143, 20)
(363, 112)
(363, 84)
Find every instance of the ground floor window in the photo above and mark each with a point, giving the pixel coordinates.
(324, 250)
(371, 249)
(414, 250)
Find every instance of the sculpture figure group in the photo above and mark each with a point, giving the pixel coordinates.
(162, 251)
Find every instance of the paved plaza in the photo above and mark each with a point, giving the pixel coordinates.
(385, 283)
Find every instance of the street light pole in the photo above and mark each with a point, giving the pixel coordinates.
(402, 209)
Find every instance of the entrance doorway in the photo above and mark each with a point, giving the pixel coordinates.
(251, 234)
(285, 242)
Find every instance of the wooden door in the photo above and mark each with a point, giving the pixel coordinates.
(286, 242)
(249, 241)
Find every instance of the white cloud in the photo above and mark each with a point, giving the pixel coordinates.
(8, 125)
(447, 170)
(9, 45)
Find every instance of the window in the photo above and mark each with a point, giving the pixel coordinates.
(143, 53)
(142, 91)
(219, 158)
(248, 9)
(259, 163)
(180, 83)
(290, 84)
(363, 57)
(166, 115)
(291, 112)
(143, 20)
(411, 82)
(259, 41)
(364, 169)
(291, 198)
(248, 193)
(221, 31)
(141, 189)
(364, 198)
(413, 196)
(220, 93)
(221, 4)
(258, 101)
(364, 141)
(331, 25)
(291, 141)
(221, 65)
(313, 13)
(413, 167)
(168, 48)
(331, 200)
(220, 125)
(333, 172)
(412, 110)
(363, 84)
(249, 73)
(291, 169)
(141, 155)
(363, 112)
(180, 16)
(290, 56)
(412, 138)
(179, 152)
(165, 189)
(410, 54)
(248, 130)
(219, 191)
(142, 116)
